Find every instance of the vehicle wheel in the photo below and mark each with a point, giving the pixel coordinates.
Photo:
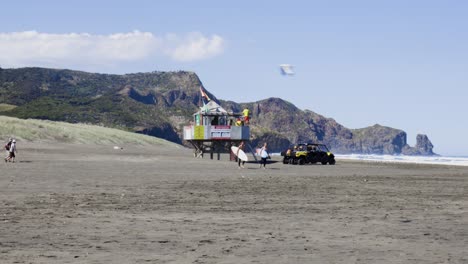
(324, 160)
(332, 162)
(285, 161)
(301, 162)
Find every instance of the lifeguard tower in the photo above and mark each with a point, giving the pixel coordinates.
(214, 130)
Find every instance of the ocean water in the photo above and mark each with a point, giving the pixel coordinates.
(442, 160)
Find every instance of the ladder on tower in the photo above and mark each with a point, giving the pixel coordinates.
(253, 152)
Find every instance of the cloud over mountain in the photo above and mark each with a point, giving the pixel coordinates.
(194, 46)
(32, 48)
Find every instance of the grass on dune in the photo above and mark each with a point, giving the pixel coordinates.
(6, 107)
(50, 131)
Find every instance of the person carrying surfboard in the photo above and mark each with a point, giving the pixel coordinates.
(239, 161)
(264, 155)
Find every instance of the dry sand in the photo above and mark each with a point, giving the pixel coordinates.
(88, 204)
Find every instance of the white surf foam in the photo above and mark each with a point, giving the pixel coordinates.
(442, 160)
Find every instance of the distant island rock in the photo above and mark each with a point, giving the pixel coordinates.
(161, 103)
(423, 147)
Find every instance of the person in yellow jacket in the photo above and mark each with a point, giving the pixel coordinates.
(246, 114)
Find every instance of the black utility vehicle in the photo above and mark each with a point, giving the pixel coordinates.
(304, 153)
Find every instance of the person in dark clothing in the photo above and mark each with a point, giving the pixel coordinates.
(12, 151)
(7, 147)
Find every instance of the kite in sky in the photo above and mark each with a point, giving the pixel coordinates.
(286, 69)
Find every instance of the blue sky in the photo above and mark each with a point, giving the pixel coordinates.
(396, 63)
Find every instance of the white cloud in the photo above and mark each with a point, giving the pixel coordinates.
(32, 48)
(194, 46)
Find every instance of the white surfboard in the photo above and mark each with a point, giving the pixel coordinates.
(241, 155)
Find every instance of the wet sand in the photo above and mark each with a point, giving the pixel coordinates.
(94, 204)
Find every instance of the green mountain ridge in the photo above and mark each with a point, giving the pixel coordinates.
(161, 103)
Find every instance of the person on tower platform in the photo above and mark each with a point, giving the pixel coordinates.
(246, 114)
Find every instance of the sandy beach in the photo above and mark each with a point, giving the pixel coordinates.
(72, 203)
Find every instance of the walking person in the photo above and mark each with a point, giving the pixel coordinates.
(264, 155)
(7, 148)
(239, 161)
(12, 151)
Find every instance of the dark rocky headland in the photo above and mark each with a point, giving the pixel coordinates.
(161, 103)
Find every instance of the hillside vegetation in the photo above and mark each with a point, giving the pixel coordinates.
(50, 131)
(161, 103)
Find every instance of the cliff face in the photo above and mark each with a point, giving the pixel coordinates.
(276, 116)
(160, 103)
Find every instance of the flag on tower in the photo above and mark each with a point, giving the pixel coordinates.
(204, 95)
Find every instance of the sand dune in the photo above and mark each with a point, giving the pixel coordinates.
(33, 130)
